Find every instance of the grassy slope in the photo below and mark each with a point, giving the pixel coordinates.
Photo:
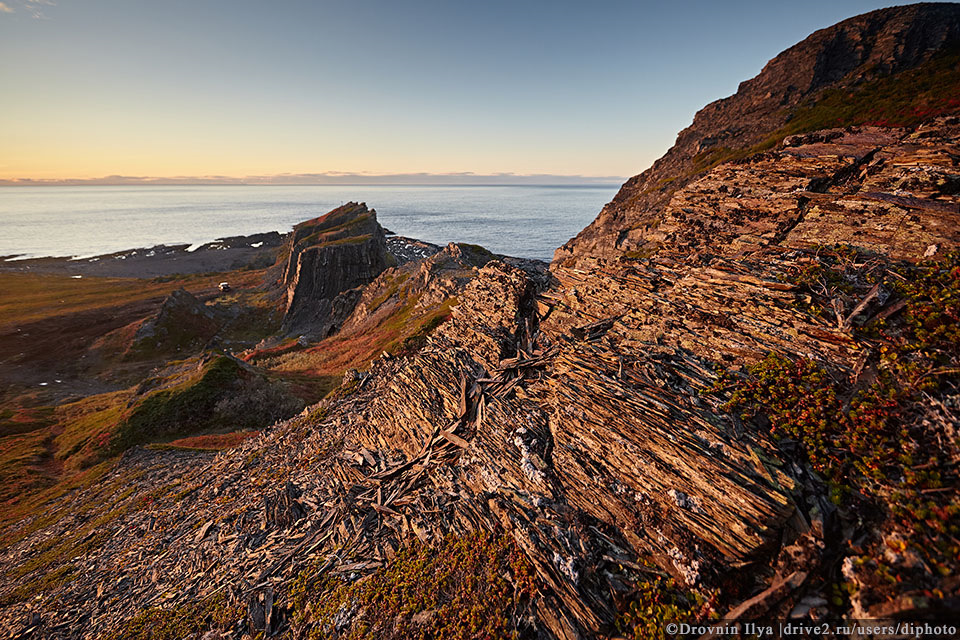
(403, 327)
(42, 443)
(28, 297)
(219, 396)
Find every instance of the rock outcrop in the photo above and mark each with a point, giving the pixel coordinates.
(853, 52)
(330, 257)
(182, 323)
(422, 284)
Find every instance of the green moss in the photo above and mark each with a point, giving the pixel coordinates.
(50, 556)
(86, 421)
(463, 587)
(344, 241)
(641, 254)
(50, 580)
(657, 603)
(38, 505)
(180, 495)
(50, 562)
(221, 396)
(22, 457)
(182, 622)
(324, 235)
(226, 397)
(392, 286)
(423, 326)
(477, 254)
(179, 410)
(25, 419)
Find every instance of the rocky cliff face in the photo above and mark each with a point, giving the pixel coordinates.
(330, 257)
(849, 54)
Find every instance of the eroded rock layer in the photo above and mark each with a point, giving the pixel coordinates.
(329, 258)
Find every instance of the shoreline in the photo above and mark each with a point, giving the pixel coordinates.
(230, 253)
(233, 253)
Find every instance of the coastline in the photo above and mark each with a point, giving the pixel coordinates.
(232, 253)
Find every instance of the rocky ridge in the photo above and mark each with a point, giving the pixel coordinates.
(878, 44)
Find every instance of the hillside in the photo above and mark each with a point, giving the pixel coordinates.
(746, 411)
(895, 67)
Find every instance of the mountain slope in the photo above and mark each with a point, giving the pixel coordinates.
(614, 445)
(850, 54)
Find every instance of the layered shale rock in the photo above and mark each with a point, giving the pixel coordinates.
(850, 54)
(421, 284)
(878, 189)
(330, 257)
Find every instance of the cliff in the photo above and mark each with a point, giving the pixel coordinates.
(329, 257)
(802, 89)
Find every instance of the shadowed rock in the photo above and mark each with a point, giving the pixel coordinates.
(183, 322)
(330, 257)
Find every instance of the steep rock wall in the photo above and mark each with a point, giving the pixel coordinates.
(329, 258)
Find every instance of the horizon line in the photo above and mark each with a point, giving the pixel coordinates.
(328, 178)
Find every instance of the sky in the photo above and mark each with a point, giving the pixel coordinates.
(92, 88)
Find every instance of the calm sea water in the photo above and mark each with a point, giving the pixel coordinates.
(524, 221)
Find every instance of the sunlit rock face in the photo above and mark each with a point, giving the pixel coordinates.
(849, 55)
(330, 257)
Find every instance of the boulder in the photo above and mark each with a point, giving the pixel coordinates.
(183, 322)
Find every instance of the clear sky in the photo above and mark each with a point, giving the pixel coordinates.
(234, 87)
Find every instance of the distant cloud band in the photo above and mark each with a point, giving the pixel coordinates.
(331, 178)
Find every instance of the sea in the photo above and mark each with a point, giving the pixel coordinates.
(59, 221)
